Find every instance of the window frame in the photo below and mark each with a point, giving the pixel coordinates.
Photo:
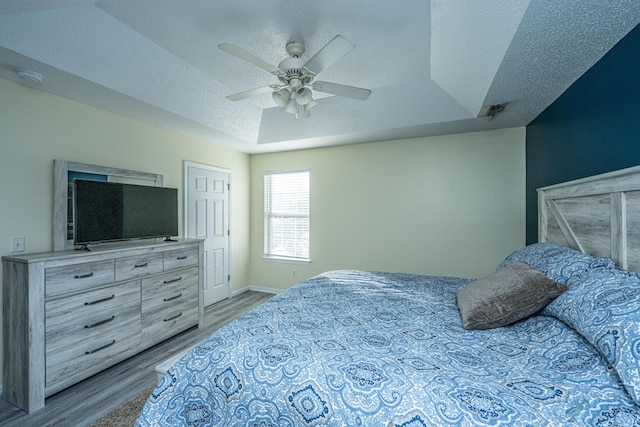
(268, 216)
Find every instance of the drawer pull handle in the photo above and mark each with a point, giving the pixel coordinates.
(83, 276)
(102, 322)
(182, 257)
(173, 297)
(98, 301)
(173, 280)
(144, 264)
(173, 317)
(100, 348)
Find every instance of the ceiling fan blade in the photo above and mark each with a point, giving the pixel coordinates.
(341, 90)
(249, 93)
(330, 53)
(247, 56)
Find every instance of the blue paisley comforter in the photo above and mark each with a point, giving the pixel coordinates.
(355, 348)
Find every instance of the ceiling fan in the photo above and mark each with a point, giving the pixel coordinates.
(294, 94)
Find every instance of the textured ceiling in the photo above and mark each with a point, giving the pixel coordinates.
(433, 66)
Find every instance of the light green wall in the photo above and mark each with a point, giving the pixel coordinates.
(36, 127)
(450, 205)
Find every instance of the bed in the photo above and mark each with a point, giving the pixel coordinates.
(363, 348)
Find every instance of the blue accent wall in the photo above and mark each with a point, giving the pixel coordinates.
(592, 128)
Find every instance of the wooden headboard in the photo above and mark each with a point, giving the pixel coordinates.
(598, 215)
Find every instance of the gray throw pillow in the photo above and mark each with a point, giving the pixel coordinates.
(505, 297)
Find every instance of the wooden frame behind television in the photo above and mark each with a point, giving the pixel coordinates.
(61, 169)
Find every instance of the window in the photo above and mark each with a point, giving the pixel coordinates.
(286, 215)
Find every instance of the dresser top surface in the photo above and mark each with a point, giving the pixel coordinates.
(105, 250)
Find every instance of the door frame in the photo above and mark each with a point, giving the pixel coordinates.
(185, 207)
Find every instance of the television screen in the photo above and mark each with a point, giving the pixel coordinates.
(109, 211)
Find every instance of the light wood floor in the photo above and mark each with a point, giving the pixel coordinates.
(87, 401)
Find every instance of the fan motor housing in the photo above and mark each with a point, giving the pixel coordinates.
(291, 68)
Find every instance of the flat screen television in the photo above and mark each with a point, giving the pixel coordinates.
(110, 211)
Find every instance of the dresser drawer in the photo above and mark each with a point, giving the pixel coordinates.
(180, 258)
(160, 325)
(80, 318)
(138, 266)
(169, 303)
(77, 277)
(82, 360)
(168, 289)
(90, 328)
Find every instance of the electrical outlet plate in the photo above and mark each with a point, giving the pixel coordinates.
(17, 244)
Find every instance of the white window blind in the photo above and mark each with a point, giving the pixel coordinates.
(286, 215)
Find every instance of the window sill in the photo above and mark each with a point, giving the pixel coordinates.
(286, 259)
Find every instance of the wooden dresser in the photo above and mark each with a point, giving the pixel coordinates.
(71, 314)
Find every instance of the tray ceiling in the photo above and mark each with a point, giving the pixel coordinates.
(433, 66)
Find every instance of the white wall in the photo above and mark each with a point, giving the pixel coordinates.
(449, 205)
(36, 127)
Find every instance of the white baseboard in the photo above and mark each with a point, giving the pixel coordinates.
(256, 288)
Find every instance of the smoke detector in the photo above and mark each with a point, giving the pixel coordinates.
(29, 77)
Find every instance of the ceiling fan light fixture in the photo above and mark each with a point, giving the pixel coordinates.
(302, 112)
(281, 97)
(291, 106)
(303, 96)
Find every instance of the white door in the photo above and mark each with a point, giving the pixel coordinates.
(207, 212)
